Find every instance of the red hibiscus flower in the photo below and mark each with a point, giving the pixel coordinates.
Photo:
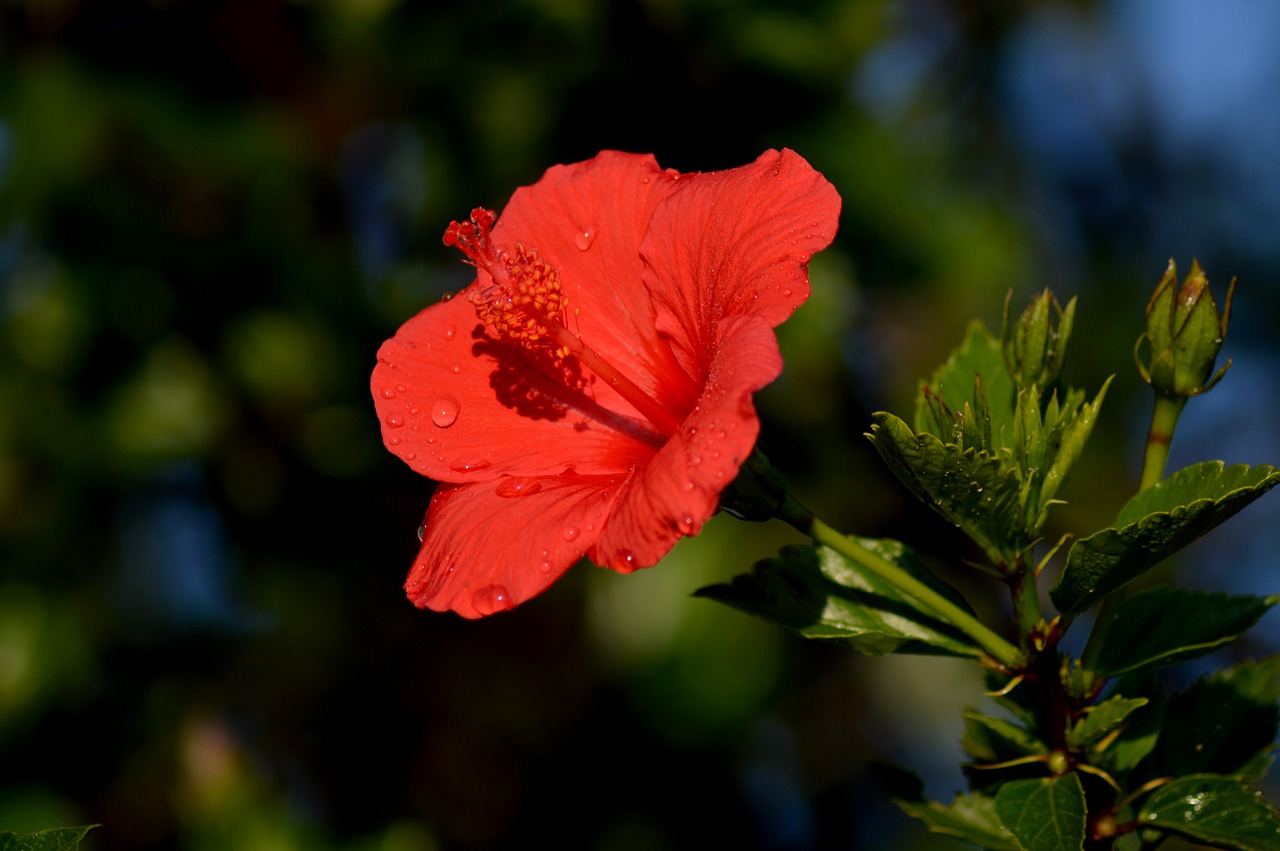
(590, 393)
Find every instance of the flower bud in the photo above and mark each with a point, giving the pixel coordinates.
(1034, 346)
(1184, 333)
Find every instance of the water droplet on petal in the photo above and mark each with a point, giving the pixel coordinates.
(449, 332)
(545, 567)
(468, 465)
(422, 532)
(570, 533)
(393, 441)
(400, 388)
(584, 237)
(686, 524)
(688, 487)
(388, 393)
(627, 562)
(455, 369)
(513, 486)
(444, 411)
(394, 421)
(490, 599)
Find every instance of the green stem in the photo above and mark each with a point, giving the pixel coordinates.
(1164, 419)
(801, 518)
(1026, 605)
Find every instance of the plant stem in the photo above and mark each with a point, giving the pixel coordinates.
(1164, 419)
(1026, 605)
(939, 606)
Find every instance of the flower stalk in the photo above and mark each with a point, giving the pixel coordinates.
(795, 514)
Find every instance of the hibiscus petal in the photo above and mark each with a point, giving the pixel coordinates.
(679, 489)
(490, 546)
(588, 219)
(445, 392)
(736, 242)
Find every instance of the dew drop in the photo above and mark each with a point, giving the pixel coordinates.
(388, 393)
(400, 388)
(449, 332)
(422, 532)
(545, 567)
(411, 456)
(570, 533)
(444, 411)
(490, 599)
(513, 486)
(584, 237)
(455, 369)
(686, 524)
(394, 421)
(393, 440)
(688, 487)
(447, 296)
(628, 562)
(468, 465)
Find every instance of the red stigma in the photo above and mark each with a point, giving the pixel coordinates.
(472, 237)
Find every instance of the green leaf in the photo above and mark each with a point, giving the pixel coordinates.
(56, 839)
(1045, 814)
(988, 739)
(970, 817)
(1142, 730)
(1166, 625)
(1154, 525)
(1050, 442)
(1223, 723)
(980, 355)
(821, 594)
(974, 490)
(1100, 720)
(1216, 810)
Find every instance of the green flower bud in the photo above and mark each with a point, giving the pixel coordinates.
(1184, 333)
(1035, 345)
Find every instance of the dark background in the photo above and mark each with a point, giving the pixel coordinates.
(211, 214)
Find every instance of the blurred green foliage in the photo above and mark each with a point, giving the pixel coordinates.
(211, 213)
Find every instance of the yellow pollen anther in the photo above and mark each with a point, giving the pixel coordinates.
(525, 303)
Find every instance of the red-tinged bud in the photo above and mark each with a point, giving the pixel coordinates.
(1184, 334)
